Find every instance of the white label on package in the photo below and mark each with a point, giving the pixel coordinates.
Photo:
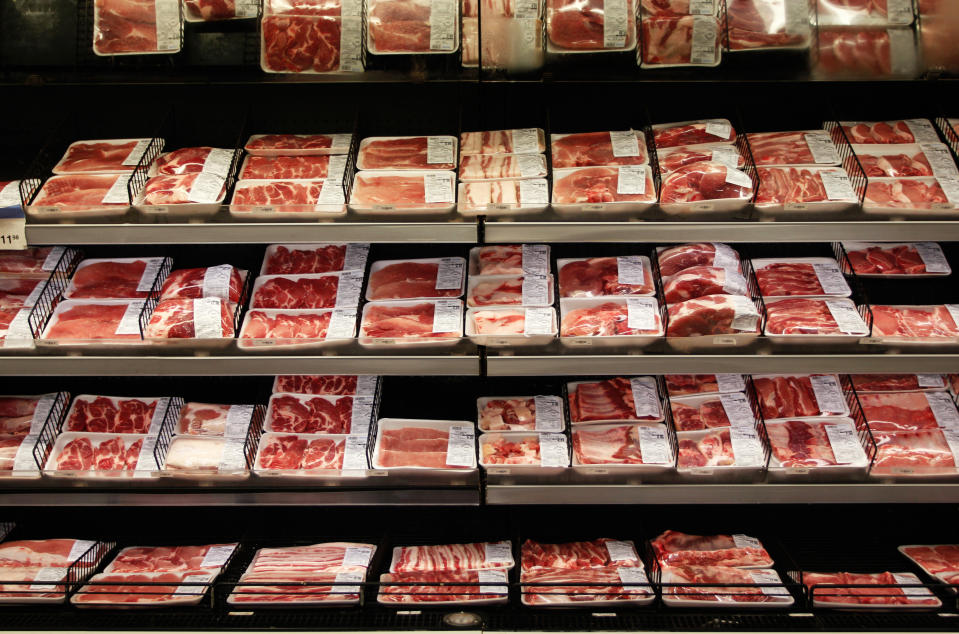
(768, 577)
(24, 461)
(117, 194)
(492, 582)
(899, 11)
(217, 556)
(498, 553)
(533, 192)
(822, 148)
(531, 165)
(361, 415)
(747, 449)
(18, 333)
(931, 255)
(538, 321)
(745, 541)
(535, 259)
(734, 283)
(797, 17)
(443, 15)
(336, 167)
(830, 278)
(908, 579)
(553, 450)
(358, 556)
(331, 193)
(354, 454)
(950, 187)
(737, 409)
(724, 256)
(366, 384)
(168, 25)
(737, 177)
(238, 419)
(730, 382)
(719, 128)
(137, 152)
(624, 143)
(847, 319)
(953, 312)
(844, 442)
(146, 461)
(615, 23)
(348, 289)
(930, 380)
(952, 439)
(342, 324)
(158, 413)
(216, 281)
(621, 551)
(525, 140)
(526, 10)
(460, 451)
(233, 457)
(40, 413)
(34, 295)
(631, 577)
(130, 322)
(439, 149)
(940, 159)
(206, 188)
(193, 584)
(549, 413)
(438, 188)
(149, 274)
(79, 548)
(653, 446)
(535, 290)
(218, 162)
(352, 9)
(351, 44)
(726, 155)
(449, 274)
(828, 394)
(745, 316)
(356, 255)
(645, 399)
(631, 179)
(705, 44)
(943, 409)
(630, 269)
(341, 142)
(922, 130)
(701, 7)
(837, 185)
(641, 313)
(10, 194)
(207, 318)
(344, 578)
(53, 258)
(44, 574)
(246, 8)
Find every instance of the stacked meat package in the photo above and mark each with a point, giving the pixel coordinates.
(412, 175)
(198, 307)
(210, 440)
(596, 27)
(23, 281)
(681, 33)
(510, 296)
(311, 36)
(306, 297)
(291, 176)
(467, 574)
(522, 434)
(866, 39)
(22, 419)
(44, 562)
(317, 427)
(189, 182)
(717, 428)
(121, 27)
(512, 34)
(601, 172)
(503, 172)
(403, 27)
(717, 571)
(610, 570)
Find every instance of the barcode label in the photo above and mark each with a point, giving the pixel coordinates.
(217, 556)
(828, 394)
(745, 316)
(439, 149)
(634, 580)
(747, 449)
(704, 48)
(207, 319)
(745, 541)
(701, 7)
(797, 17)
(358, 556)
(141, 146)
(238, 419)
(533, 192)
(10, 194)
(736, 177)
(831, 278)
(130, 322)
(930, 380)
(216, 281)
(726, 155)
(653, 446)
(492, 582)
(847, 319)
(50, 262)
(525, 140)
(448, 316)
(354, 453)
(498, 552)
(615, 23)
(117, 194)
(342, 323)
(146, 461)
(719, 128)
(822, 148)
(645, 397)
(909, 579)
(345, 577)
(449, 275)
(730, 382)
(361, 415)
(23, 461)
(438, 188)
(538, 321)
(535, 290)
(149, 275)
(535, 259)
(922, 131)
(621, 551)
(844, 443)
(348, 289)
(631, 180)
(356, 255)
(553, 450)
(366, 384)
(351, 45)
(624, 143)
(549, 413)
(737, 409)
(331, 193)
(45, 574)
(460, 451)
(940, 159)
(943, 409)
(641, 313)
(443, 16)
(630, 269)
(768, 577)
(168, 25)
(233, 457)
(531, 165)
(932, 256)
(837, 185)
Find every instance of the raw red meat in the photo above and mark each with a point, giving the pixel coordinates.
(579, 24)
(191, 283)
(126, 26)
(273, 167)
(493, 141)
(894, 165)
(686, 256)
(413, 447)
(111, 454)
(941, 561)
(713, 450)
(671, 159)
(591, 148)
(665, 7)
(479, 196)
(386, 153)
(615, 445)
(389, 321)
(301, 43)
(690, 134)
(875, 383)
(286, 325)
(575, 555)
(15, 292)
(500, 260)
(300, 453)
(791, 185)
(594, 277)
(497, 449)
(97, 156)
(476, 167)
(669, 40)
(926, 450)
(304, 259)
(99, 279)
(18, 406)
(306, 7)
(856, 52)
(687, 384)
(303, 292)
(281, 143)
(898, 411)
(701, 181)
(164, 559)
(174, 319)
(611, 399)
(904, 194)
(77, 191)
(780, 148)
(605, 320)
(444, 558)
(121, 589)
(789, 396)
(331, 384)
(24, 260)
(466, 587)
(597, 185)
(111, 414)
(864, 596)
(399, 26)
(302, 414)
(212, 9)
(805, 317)
(566, 593)
(717, 583)
(798, 444)
(282, 193)
(409, 279)
(188, 160)
(757, 24)
(673, 548)
(175, 190)
(500, 322)
(699, 281)
(88, 321)
(512, 414)
(692, 417)
(42, 553)
(712, 315)
(397, 191)
(883, 132)
(922, 322)
(783, 279)
(505, 292)
(850, 11)
(903, 259)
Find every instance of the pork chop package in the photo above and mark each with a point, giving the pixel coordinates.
(206, 322)
(44, 562)
(87, 455)
(897, 259)
(426, 278)
(867, 53)
(800, 277)
(502, 142)
(224, 281)
(520, 413)
(716, 587)
(599, 149)
(673, 260)
(122, 27)
(403, 27)
(854, 13)
(510, 259)
(400, 192)
(673, 548)
(610, 321)
(477, 168)
(672, 158)
(324, 456)
(425, 323)
(762, 25)
(32, 263)
(921, 325)
(516, 453)
(908, 411)
(693, 133)
(214, 10)
(689, 40)
(701, 412)
(616, 400)
(886, 383)
(850, 590)
(308, 291)
(293, 199)
(800, 396)
(503, 197)
(298, 259)
(212, 419)
(296, 166)
(901, 132)
(509, 290)
(508, 327)
(26, 415)
(407, 153)
(624, 449)
(424, 444)
(811, 449)
(594, 26)
(689, 384)
(796, 320)
(280, 145)
(912, 197)
(193, 160)
(332, 384)
(706, 187)
(81, 196)
(712, 320)
(311, 37)
(16, 457)
(194, 195)
(813, 148)
(94, 322)
(629, 275)
(585, 190)
(117, 278)
(940, 561)
(319, 414)
(906, 160)
(718, 437)
(102, 156)
(116, 414)
(268, 329)
(799, 190)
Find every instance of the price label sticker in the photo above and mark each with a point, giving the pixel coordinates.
(952, 439)
(553, 450)
(492, 582)
(634, 580)
(797, 17)
(460, 451)
(549, 414)
(440, 149)
(159, 412)
(724, 256)
(719, 128)
(218, 162)
(217, 556)
(362, 415)
(366, 384)
(149, 275)
(730, 382)
(538, 321)
(356, 256)
(207, 318)
(907, 579)
(535, 290)
(246, 8)
(357, 556)
(932, 256)
(331, 193)
(765, 579)
(737, 409)
(351, 47)
(342, 324)
(745, 541)
(498, 552)
(631, 179)
(438, 188)
(146, 461)
(726, 155)
(624, 143)
(130, 322)
(940, 159)
(347, 577)
(953, 310)
(216, 281)
(141, 145)
(449, 274)
(354, 454)
(615, 23)
(745, 316)
(443, 15)
(943, 409)
(930, 380)
(828, 395)
(701, 7)
(41, 412)
(348, 289)
(238, 419)
(645, 397)
(831, 278)
(526, 10)
(45, 575)
(533, 192)
(844, 443)
(705, 43)
(847, 319)
(535, 259)
(747, 449)
(118, 194)
(168, 25)
(631, 269)
(822, 148)
(530, 165)
(641, 313)
(653, 445)
(621, 551)
(950, 187)
(233, 457)
(922, 130)
(737, 177)
(10, 194)
(525, 141)
(837, 185)
(336, 167)
(23, 461)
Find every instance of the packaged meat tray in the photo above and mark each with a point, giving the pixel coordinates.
(672, 260)
(19, 292)
(598, 149)
(712, 321)
(624, 586)
(424, 323)
(453, 557)
(909, 160)
(518, 453)
(585, 190)
(520, 413)
(425, 192)
(415, 445)
(804, 189)
(868, 52)
(479, 169)
(223, 281)
(403, 27)
(701, 412)
(640, 451)
(303, 42)
(99, 323)
(298, 144)
(485, 291)
(295, 200)
(805, 321)
(847, 13)
(34, 262)
(187, 196)
(923, 454)
(914, 325)
(503, 197)
(42, 561)
(705, 187)
(673, 548)
(152, 27)
(800, 396)
(690, 384)
(117, 414)
(610, 321)
(308, 291)
(511, 259)
(199, 324)
(700, 281)
(814, 450)
(117, 278)
(672, 158)
(103, 156)
(16, 458)
(616, 400)
(800, 277)
(908, 411)
(681, 41)
(206, 459)
(16, 334)
(598, 553)
(81, 196)
(207, 557)
(599, 26)
(91, 455)
(514, 44)
(500, 142)
(470, 587)
(427, 278)
(332, 384)
(897, 259)
(836, 590)
(792, 149)
(16, 586)
(212, 419)
(940, 562)
(899, 196)
(273, 330)
(26, 415)
(301, 167)
(310, 456)
(734, 454)
(901, 132)
(119, 590)
(630, 275)
(678, 7)
(407, 152)
(509, 327)
(319, 414)
(693, 133)
(299, 259)
(768, 25)
(721, 587)
(193, 160)
(882, 383)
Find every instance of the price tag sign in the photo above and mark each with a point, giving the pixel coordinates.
(12, 221)
(146, 461)
(23, 461)
(624, 143)
(238, 419)
(233, 457)
(117, 194)
(130, 322)
(705, 42)
(216, 281)
(193, 585)
(844, 443)
(553, 450)
(357, 556)
(645, 397)
(766, 577)
(837, 185)
(460, 451)
(634, 580)
(354, 453)
(940, 159)
(727, 155)
(630, 269)
(149, 275)
(943, 409)
(331, 193)
(207, 318)
(822, 148)
(141, 146)
(745, 317)
(549, 413)
(930, 380)
(615, 23)
(745, 541)
(538, 321)
(747, 449)
(906, 579)
(736, 177)
(438, 188)
(533, 192)
(348, 289)
(362, 415)
(701, 7)
(922, 130)
(831, 278)
(342, 324)
(932, 256)
(347, 577)
(439, 149)
(952, 439)
(443, 14)
(217, 556)
(351, 46)
(356, 256)
(44, 575)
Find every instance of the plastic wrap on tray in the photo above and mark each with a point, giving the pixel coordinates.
(308, 291)
(673, 548)
(637, 448)
(503, 197)
(880, 383)
(303, 199)
(213, 419)
(510, 259)
(298, 259)
(224, 281)
(125, 28)
(212, 10)
(612, 317)
(607, 586)
(511, 44)
(460, 587)
(904, 131)
(713, 315)
(18, 292)
(292, 167)
(689, 40)
(805, 189)
(274, 329)
(606, 276)
(688, 384)
(672, 158)
(908, 411)
(672, 260)
(792, 396)
(83, 194)
(927, 452)
(503, 142)
(590, 26)
(705, 186)
(306, 454)
(520, 413)
(509, 290)
(206, 318)
(116, 414)
(603, 189)
(410, 191)
(407, 152)
(118, 278)
(886, 195)
(424, 445)
(202, 457)
(78, 321)
(699, 281)
(319, 414)
(351, 385)
(479, 168)
(867, 52)
(845, 590)
(905, 160)
(811, 445)
(425, 278)
(541, 453)
(598, 149)
(700, 412)
(940, 561)
(859, 13)
(400, 27)
(723, 587)
(507, 327)
(193, 160)
(101, 455)
(418, 322)
(102, 156)
(808, 147)
(297, 144)
(30, 262)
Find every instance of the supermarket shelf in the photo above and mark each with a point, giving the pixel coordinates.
(499, 232)
(724, 494)
(252, 233)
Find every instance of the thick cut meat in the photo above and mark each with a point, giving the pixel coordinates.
(397, 191)
(122, 589)
(302, 414)
(599, 585)
(780, 148)
(176, 319)
(798, 444)
(789, 396)
(695, 416)
(202, 282)
(88, 321)
(175, 190)
(900, 411)
(712, 315)
(9, 448)
(669, 40)
(579, 24)
(112, 414)
(865, 596)
(595, 277)
(608, 400)
(280, 193)
(475, 167)
(755, 24)
(332, 384)
(294, 452)
(904, 194)
(876, 383)
(702, 181)
(99, 279)
(444, 558)
(713, 450)
(288, 143)
(312, 292)
(399, 26)
(385, 153)
(592, 149)
(923, 450)
(597, 185)
(882, 132)
(24, 260)
(305, 259)
(699, 281)
(901, 259)
(894, 165)
(791, 185)
(301, 43)
(615, 445)
(783, 279)
(493, 141)
(575, 555)
(807, 317)
(606, 320)
(496, 449)
(410, 279)
(388, 321)
(260, 324)
(696, 133)
(418, 589)
(686, 256)
(673, 548)
(78, 192)
(921, 322)
(96, 156)
(272, 167)
(513, 414)
(188, 160)
(82, 453)
(500, 322)
(414, 447)
(858, 52)
(717, 583)
(500, 260)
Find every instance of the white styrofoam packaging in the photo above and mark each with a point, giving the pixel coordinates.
(366, 384)
(649, 383)
(835, 284)
(183, 595)
(567, 305)
(190, 210)
(847, 471)
(167, 20)
(416, 592)
(942, 576)
(294, 211)
(452, 24)
(642, 260)
(652, 469)
(276, 344)
(790, 17)
(339, 144)
(697, 400)
(856, 329)
(827, 150)
(498, 280)
(305, 475)
(401, 423)
(778, 596)
(540, 337)
(44, 588)
(115, 184)
(349, 28)
(841, 197)
(556, 425)
(454, 262)
(706, 44)
(538, 256)
(936, 258)
(348, 285)
(638, 592)
(354, 256)
(937, 155)
(602, 208)
(941, 343)
(501, 142)
(17, 337)
(206, 459)
(365, 143)
(128, 165)
(518, 197)
(749, 468)
(388, 343)
(146, 463)
(536, 468)
(133, 305)
(922, 130)
(412, 207)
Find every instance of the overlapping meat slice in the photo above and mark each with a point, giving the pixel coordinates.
(261, 324)
(701, 414)
(304, 414)
(597, 185)
(594, 277)
(605, 320)
(702, 181)
(900, 411)
(921, 322)
(305, 259)
(296, 167)
(389, 321)
(587, 149)
(905, 194)
(294, 452)
(902, 259)
(411, 279)
(673, 548)
(301, 292)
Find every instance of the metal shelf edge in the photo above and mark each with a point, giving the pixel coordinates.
(411, 497)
